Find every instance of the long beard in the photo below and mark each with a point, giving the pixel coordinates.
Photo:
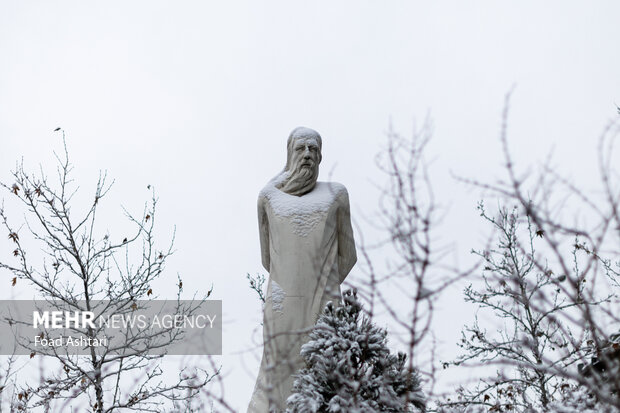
(300, 180)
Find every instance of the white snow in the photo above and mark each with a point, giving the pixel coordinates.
(277, 297)
(306, 211)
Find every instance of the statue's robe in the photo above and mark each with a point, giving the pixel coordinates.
(308, 248)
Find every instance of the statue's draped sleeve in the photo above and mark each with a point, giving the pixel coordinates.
(263, 229)
(346, 243)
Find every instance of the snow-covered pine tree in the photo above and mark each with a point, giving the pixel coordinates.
(349, 368)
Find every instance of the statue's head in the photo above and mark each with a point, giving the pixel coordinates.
(302, 161)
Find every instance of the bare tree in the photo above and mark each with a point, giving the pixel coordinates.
(84, 269)
(529, 306)
(553, 286)
(552, 283)
(408, 286)
(257, 284)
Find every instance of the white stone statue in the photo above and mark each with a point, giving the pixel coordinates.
(308, 248)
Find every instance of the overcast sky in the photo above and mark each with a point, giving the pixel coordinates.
(197, 98)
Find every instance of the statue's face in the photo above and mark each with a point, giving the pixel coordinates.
(302, 164)
(306, 153)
